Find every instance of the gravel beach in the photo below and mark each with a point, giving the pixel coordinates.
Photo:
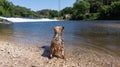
(20, 55)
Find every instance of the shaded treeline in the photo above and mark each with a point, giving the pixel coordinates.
(8, 9)
(81, 10)
(93, 10)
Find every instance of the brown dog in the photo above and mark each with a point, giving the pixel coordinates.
(57, 44)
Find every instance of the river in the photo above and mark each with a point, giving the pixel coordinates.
(101, 34)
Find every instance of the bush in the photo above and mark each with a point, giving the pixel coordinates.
(115, 9)
(111, 12)
(80, 9)
(104, 12)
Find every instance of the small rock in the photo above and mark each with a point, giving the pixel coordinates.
(33, 66)
(8, 52)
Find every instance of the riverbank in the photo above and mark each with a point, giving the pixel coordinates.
(21, 55)
(4, 21)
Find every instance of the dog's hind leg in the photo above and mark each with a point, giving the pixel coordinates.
(51, 52)
(62, 50)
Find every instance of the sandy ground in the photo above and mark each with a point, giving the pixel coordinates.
(17, 55)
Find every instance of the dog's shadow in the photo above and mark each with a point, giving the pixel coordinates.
(46, 52)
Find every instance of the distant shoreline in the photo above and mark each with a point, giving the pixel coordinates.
(13, 19)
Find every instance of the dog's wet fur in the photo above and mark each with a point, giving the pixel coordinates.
(57, 43)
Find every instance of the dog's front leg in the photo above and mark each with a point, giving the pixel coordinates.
(62, 51)
(51, 50)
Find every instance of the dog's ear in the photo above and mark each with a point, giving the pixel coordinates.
(62, 28)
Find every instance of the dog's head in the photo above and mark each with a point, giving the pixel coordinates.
(59, 29)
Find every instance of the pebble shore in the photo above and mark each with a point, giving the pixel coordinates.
(17, 55)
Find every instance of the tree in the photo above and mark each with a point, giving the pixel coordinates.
(67, 10)
(82, 6)
(8, 9)
(110, 12)
(115, 10)
(6, 5)
(46, 13)
(104, 12)
(53, 13)
(95, 6)
(80, 9)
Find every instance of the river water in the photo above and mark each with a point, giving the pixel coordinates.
(101, 34)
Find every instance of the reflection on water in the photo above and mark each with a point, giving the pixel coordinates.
(6, 32)
(101, 34)
(104, 35)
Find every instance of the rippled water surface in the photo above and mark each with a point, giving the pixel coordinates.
(102, 34)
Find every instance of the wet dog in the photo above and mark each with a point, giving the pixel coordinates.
(57, 44)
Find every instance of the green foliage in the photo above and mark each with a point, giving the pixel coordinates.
(2, 10)
(104, 12)
(80, 9)
(94, 10)
(8, 9)
(53, 13)
(95, 6)
(110, 12)
(67, 10)
(46, 13)
(66, 13)
(93, 16)
(115, 9)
